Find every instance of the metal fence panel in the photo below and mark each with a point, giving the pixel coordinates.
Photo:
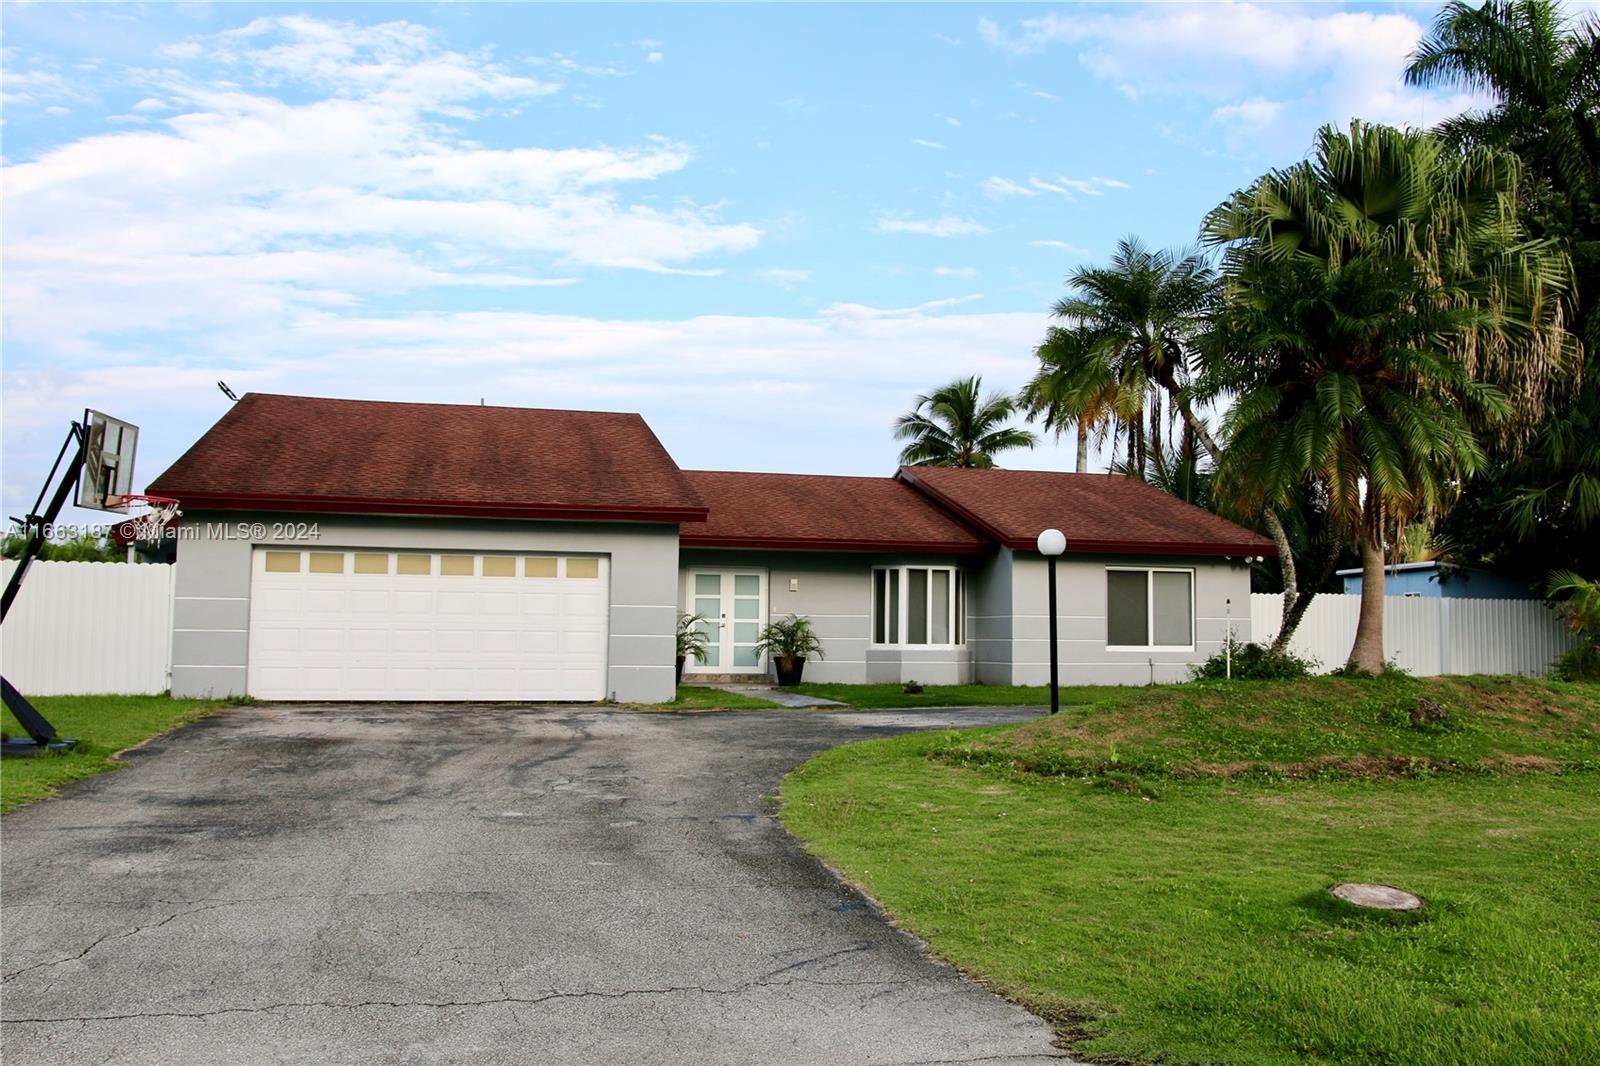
(1426, 635)
(81, 628)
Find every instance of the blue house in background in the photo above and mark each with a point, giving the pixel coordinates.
(1442, 581)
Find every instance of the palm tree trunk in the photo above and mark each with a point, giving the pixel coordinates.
(1367, 651)
(1294, 604)
(1155, 425)
(1133, 448)
(1083, 446)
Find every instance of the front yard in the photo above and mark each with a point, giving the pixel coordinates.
(1149, 871)
(103, 726)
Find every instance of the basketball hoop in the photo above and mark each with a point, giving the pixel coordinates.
(149, 523)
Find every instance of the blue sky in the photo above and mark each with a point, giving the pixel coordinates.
(765, 228)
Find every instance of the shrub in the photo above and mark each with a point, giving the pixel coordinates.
(1579, 664)
(1253, 662)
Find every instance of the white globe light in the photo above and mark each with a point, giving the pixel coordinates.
(1052, 542)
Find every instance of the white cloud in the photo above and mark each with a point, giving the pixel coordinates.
(943, 226)
(1052, 97)
(951, 120)
(150, 103)
(926, 144)
(862, 311)
(1254, 111)
(784, 277)
(242, 205)
(1000, 188)
(1062, 245)
(1335, 64)
(655, 57)
(956, 272)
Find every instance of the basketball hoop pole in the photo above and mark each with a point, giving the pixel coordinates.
(38, 727)
(35, 523)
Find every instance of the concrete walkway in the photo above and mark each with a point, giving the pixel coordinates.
(380, 884)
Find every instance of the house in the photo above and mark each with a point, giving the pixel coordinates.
(1437, 580)
(343, 550)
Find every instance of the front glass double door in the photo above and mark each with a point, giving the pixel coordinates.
(732, 605)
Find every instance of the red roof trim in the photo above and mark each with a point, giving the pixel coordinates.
(960, 512)
(691, 540)
(335, 505)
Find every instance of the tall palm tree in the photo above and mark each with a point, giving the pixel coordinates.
(1542, 70)
(1385, 311)
(1139, 316)
(1073, 387)
(957, 425)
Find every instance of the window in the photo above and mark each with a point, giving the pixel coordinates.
(372, 562)
(499, 566)
(539, 566)
(327, 562)
(583, 568)
(283, 562)
(923, 604)
(456, 566)
(1149, 608)
(414, 565)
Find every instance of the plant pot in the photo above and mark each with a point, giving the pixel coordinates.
(681, 660)
(789, 670)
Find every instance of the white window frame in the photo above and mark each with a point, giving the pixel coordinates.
(958, 600)
(1150, 608)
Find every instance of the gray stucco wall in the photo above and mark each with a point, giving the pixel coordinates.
(1081, 605)
(835, 592)
(211, 612)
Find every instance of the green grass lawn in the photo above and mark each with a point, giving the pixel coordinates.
(1182, 918)
(958, 695)
(103, 726)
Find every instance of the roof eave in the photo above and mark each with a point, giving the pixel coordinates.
(1134, 547)
(202, 501)
(833, 544)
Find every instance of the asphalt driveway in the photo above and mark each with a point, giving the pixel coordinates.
(298, 884)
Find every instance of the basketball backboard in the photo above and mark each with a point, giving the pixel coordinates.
(108, 450)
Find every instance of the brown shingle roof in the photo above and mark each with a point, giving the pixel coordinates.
(1097, 512)
(307, 453)
(824, 512)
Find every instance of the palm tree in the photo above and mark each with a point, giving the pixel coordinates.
(1385, 311)
(957, 425)
(1543, 71)
(1073, 387)
(1138, 316)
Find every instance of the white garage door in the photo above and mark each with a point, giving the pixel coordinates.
(396, 625)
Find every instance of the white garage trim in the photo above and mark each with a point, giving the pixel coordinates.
(374, 624)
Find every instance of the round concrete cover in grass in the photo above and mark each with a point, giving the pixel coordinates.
(1378, 897)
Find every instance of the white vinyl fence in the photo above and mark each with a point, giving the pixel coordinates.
(1426, 635)
(79, 628)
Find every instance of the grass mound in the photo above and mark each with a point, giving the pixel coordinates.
(1375, 727)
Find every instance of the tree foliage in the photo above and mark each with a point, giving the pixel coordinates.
(1385, 311)
(960, 425)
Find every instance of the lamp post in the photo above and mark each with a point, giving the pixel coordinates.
(1052, 542)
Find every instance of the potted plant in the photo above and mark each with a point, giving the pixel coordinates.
(788, 642)
(691, 640)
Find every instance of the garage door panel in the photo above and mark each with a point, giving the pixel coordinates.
(365, 640)
(413, 601)
(411, 641)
